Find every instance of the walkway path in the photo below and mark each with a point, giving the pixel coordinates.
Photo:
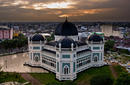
(30, 79)
(113, 71)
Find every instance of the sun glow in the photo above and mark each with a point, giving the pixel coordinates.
(84, 12)
(59, 5)
(56, 5)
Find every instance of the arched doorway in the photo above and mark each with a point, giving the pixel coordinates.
(95, 58)
(36, 58)
(66, 69)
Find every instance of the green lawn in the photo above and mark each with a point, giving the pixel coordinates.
(7, 77)
(83, 77)
(45, 78)
(119, 69)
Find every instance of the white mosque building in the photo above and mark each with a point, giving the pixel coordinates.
(66, 55)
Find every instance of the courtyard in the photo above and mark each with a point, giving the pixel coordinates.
(15, 63)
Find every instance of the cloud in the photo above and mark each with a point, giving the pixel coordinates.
(14, 3)
(97, 1)
(54, 10)
(52, 5)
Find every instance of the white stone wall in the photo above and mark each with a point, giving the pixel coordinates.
(72, 75)
(39, 63)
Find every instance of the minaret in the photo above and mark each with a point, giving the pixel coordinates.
(96, 44)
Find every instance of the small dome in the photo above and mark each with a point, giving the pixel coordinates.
(66, 29)
(95, 38)
(37, 37)
(66, 43)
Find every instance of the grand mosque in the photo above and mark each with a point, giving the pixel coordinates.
(66, 55)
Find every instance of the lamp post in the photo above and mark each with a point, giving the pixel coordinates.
(6, 63)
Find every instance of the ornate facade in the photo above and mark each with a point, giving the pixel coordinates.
(66, 55)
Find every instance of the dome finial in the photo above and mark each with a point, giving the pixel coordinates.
(66, 20)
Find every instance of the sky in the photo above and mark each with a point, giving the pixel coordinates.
(57, 10)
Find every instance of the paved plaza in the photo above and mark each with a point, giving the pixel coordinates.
(15, 63)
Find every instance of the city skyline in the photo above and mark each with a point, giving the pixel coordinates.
(56, 10)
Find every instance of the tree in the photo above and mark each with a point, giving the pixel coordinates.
(50, 38)
(123, 79)
(109, 45)
(17, 42)
(125, 51)
(1, 77)
(101, 80)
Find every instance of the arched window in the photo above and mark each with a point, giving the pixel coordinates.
(66, 69)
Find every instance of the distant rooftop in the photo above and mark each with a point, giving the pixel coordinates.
(4, 28)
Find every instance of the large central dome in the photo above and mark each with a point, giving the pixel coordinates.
(66, 29)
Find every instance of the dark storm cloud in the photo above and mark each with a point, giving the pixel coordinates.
(82, 10)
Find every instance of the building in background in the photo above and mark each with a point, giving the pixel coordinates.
(108, 31)
(6, 33)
